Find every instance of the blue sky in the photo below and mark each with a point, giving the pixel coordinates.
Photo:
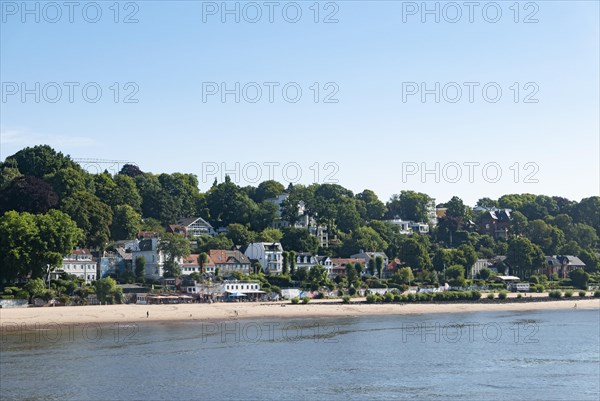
(371, 137)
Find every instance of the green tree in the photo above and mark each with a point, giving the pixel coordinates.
(229, 204)
(364, 238)
(587, 212)
(409, 205)
(580, 278)
(140, 267)
(156, 201)
(414, 254)
(441, 259)
(107, 290)
(221, 241)
(68, 180)
(519, 223)
(299, 240)
(487, 202)
(8, 172)
(292, 262)
(40, 161)
(285, 260)
(592, 262)
(126, 223)
(374, 209)
(91, 215)
(127, 193)
(455, 275)
(29, 243)
(35, 287)
(183, 190)
(317, 276)
(469, 256)
(174, 246)
(404, 275)
(547, 237)
(268, 189)
(240, 234)
(270, 235)
(524, 257)
(202, 260)
(171, 269)
(485, 273)
(105, 188)
(379, 266)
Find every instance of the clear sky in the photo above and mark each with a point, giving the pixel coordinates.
(372, 61)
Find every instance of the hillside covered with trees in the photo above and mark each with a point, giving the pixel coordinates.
(50, 205)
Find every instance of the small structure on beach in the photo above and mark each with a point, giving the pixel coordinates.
(513, 283)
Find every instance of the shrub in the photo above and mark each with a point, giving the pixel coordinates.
(388, 297)
(568, 294)
(346, 299)
(411, 297)
(555, 294)
(597, 294)
(305, 300)
(424, 296)
(295, 300)
(539, 288)
(352, 291)
(475, 295)
(490, 296)
(398, 298)
(496, 286)
(582, 294)
(519, 296)
(371, 298)
(502, 295)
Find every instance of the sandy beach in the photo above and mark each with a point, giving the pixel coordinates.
(106, 314)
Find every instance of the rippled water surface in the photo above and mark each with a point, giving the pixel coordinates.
(549, 355)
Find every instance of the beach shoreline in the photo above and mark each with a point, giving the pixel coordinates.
(40, 317)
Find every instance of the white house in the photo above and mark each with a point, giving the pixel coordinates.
(196, 226)
(305, 260)
(80, 263)
(155, 259)
(269, 254)
(408, 227)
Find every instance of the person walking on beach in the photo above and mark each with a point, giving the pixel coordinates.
(147, 314)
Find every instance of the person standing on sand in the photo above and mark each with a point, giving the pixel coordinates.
(147, 314)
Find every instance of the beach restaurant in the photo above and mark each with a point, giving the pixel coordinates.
(168, 299)
(242, 291)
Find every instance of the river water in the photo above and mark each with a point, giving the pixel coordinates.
(545, 355)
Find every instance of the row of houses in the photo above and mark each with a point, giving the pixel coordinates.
(219, 262)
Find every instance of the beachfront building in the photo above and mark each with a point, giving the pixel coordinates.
(229, 261)
(269, 254)
(80, 263)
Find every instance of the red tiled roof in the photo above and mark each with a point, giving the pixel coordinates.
(192, 260)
